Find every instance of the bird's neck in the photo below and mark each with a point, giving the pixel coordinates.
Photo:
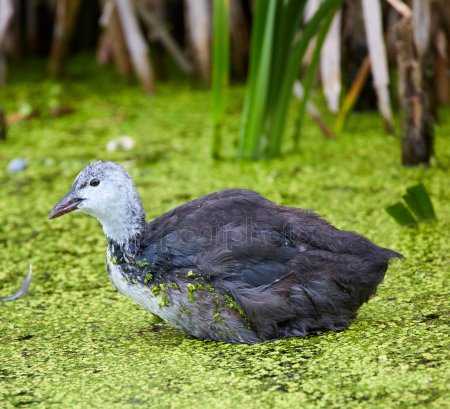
(125, 225)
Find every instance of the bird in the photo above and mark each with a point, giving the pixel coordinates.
(231, 266)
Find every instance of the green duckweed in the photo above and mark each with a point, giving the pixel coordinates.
(74, 342)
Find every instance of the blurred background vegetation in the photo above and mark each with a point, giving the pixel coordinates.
(389, 55)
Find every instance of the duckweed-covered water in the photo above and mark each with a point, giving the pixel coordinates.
(74, 342)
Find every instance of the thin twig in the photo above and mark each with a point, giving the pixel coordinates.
(401, 8)
(166, 39)
(313, 111)
(353, 94)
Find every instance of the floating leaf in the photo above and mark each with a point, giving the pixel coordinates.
(419, 202)
(401, 214)
(417, 207)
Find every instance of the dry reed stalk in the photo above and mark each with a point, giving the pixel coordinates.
(136, 45)
(373, 20)
(66, 14)
(417, 141)
(198, 25)
(330, 64)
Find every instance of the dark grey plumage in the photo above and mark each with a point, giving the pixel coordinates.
(268, 271)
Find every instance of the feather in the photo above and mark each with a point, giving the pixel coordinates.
(23, 290)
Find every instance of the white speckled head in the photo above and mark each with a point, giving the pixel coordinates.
(105, 190)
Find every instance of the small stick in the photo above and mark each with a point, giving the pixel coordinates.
(401, 8)
(313, 112)
(353, 93)
(161, 32)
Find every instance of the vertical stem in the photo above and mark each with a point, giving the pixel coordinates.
(353, 94)
(373, 23)
(442, 68)
(6, 17)
(256, 40)
(118, 44)
(3, 126)
(136, 44)
(3, 68)
(158, 28)
(239, 37)
(66, 13)
(422, 25)
(32, 25)
(330, 64)
(198, 31)
(296, 53)
(310, 76)
(418, 133)
(221, 54)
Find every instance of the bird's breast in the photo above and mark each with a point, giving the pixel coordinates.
(186, 304)
(127, 284)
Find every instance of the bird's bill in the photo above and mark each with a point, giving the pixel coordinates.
(67, 204)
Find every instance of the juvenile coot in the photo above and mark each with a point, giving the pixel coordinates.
(232, 265)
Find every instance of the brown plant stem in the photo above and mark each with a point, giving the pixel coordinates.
(65, 18)
(417, 140)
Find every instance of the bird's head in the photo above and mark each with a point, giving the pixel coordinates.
(106, 191)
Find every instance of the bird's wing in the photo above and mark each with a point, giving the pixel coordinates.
(240, 235)
(192, 214)
(232, 231)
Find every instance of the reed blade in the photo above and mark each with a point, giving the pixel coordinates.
(311, 75)
(220, 69)
(296, 54)
(257, 92)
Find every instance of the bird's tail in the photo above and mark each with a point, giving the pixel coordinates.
(389, 254)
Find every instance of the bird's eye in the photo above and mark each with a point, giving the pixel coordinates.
(94, 182)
